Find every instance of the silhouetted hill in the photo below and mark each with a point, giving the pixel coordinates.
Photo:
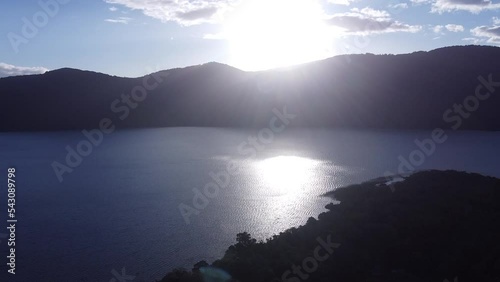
(364, 91)
(435, 226)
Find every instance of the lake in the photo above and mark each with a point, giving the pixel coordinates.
(120, 207)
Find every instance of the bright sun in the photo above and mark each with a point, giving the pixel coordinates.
(265, 34)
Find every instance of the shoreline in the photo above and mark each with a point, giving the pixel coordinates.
(373, 220)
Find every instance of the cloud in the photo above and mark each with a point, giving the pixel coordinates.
(11, 70)
(369, 21)
(122, 20)
(215, 36)
(454, 27)
(398, 6)
(438, 29)
(473, 6)
(420, 2)
(113, 9)
(341, 2)
(185, 12)
(201, 13)
(372, 12)
(449, 27)
(395, 7)
(473, 40)
(491, 33)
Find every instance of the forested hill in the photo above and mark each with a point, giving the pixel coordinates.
(433, 226)
(410, 91)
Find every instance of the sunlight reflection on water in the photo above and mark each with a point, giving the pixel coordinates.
(120, 207)
(287, 174)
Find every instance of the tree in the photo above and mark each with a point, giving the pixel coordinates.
(245, 239)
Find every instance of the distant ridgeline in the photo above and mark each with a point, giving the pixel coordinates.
(433, 226)
(452, 88)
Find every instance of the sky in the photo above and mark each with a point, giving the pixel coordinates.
(132, 38)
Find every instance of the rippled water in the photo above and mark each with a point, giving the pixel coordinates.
(120, 208)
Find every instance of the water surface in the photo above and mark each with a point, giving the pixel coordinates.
(120, 207)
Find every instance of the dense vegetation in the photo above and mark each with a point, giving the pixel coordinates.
(408, 91)
(435, 226)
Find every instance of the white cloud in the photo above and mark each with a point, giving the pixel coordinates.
(438, 29)
(184, 12)
(372, 12)
(473, 6)
(420, 2)
(113, 9)
(398, 6)
(122, 20)
(11, 70)
(449, 27)
(215, 36)
(341, 2)
(454, 27)
(369, 21)
(491, 33)
(472, 40)
(495, 20)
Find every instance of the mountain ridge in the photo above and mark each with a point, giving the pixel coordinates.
(274, 69)
(408, 91)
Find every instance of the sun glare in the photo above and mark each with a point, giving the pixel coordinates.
(265, 34)
(286, 174)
